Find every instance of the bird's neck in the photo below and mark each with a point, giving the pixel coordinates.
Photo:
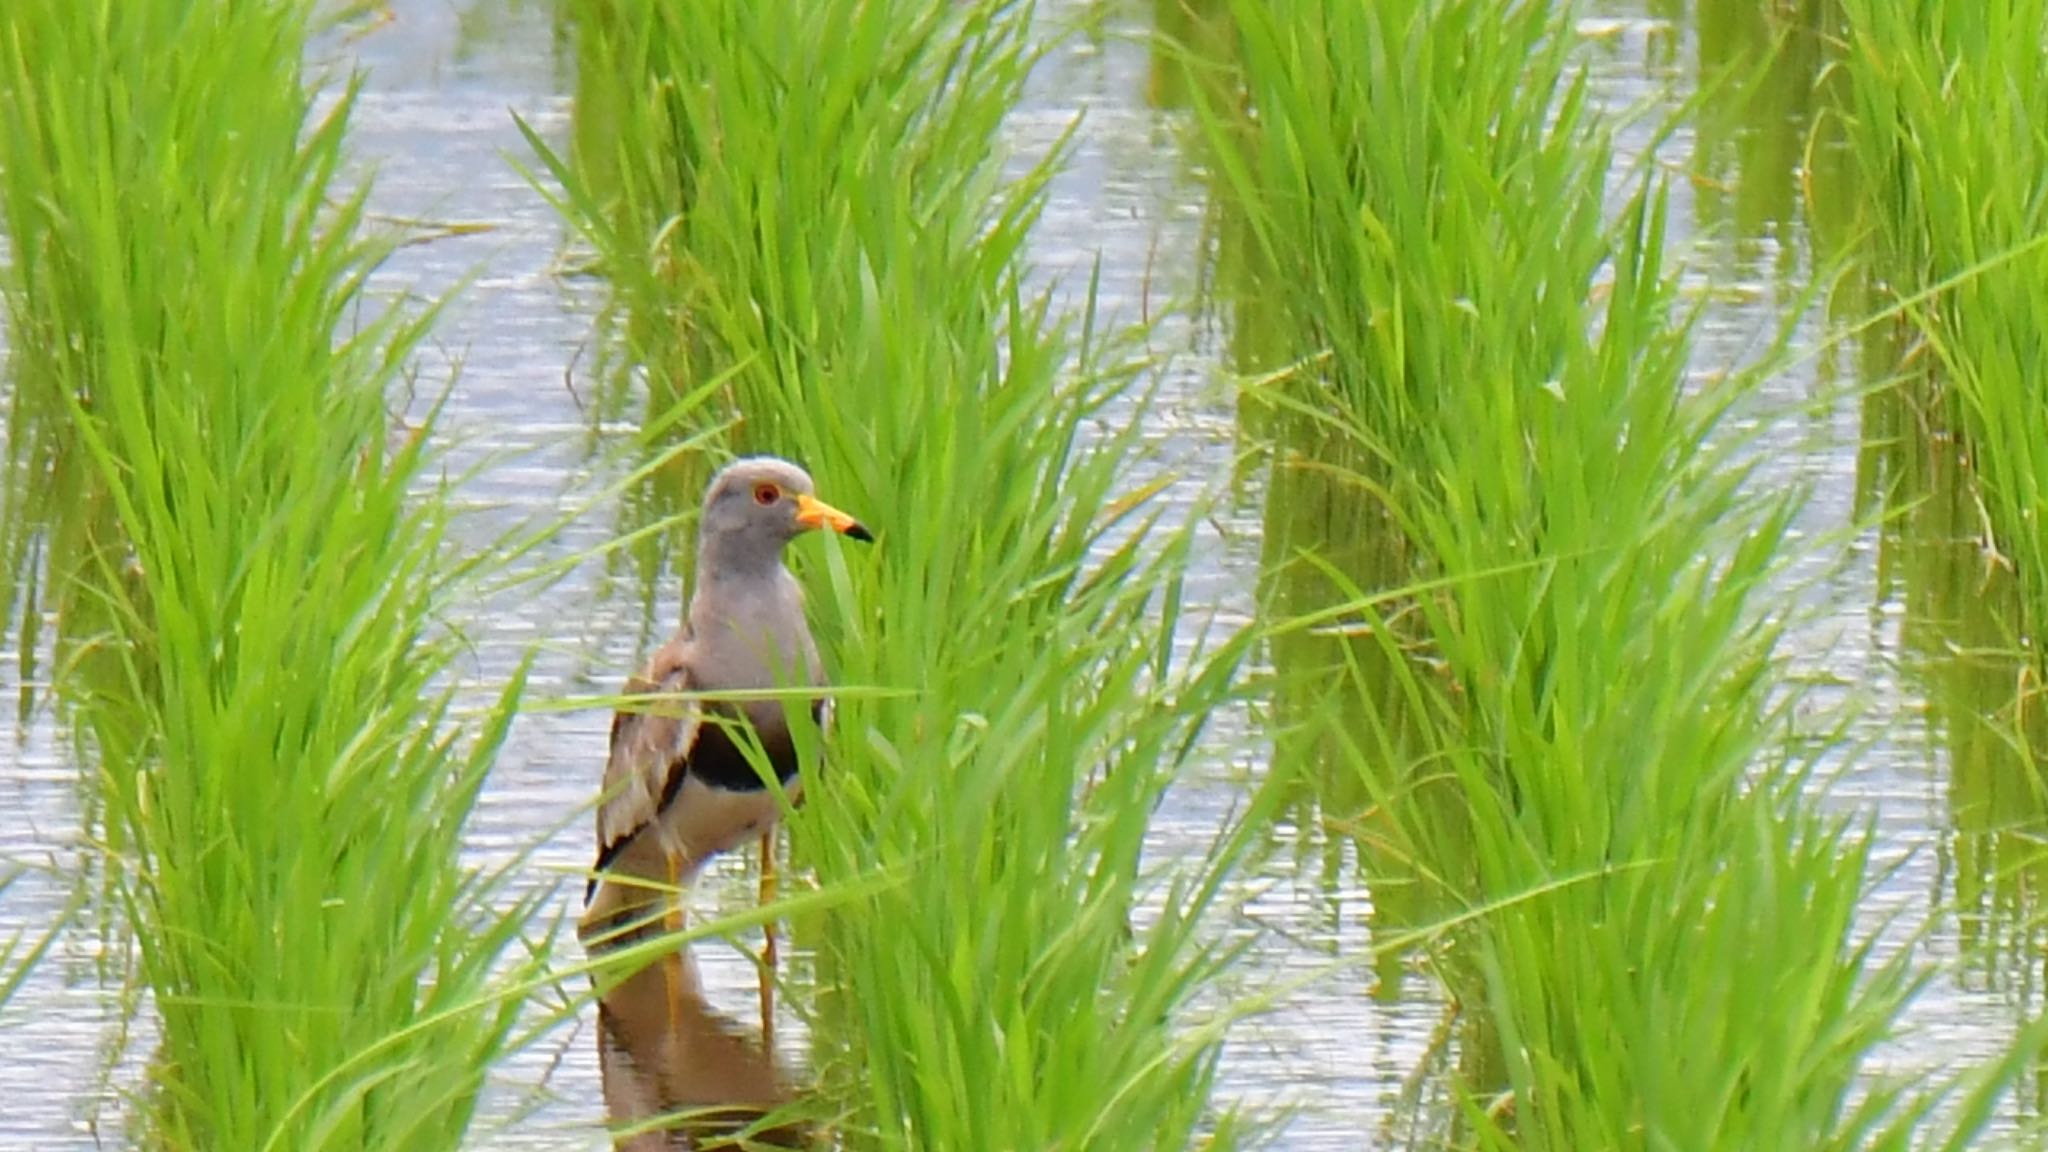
(737, 561)
(758, 613)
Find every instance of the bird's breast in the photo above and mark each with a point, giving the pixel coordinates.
(706, 820)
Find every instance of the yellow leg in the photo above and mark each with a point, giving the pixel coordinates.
(673, 922)
(768, 942)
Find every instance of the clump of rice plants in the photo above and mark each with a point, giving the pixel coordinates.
(1663, 949)
(1941, 112)
(1944, 106)
(831, 226)
(284, 774)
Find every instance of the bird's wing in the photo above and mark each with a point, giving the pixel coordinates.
(650, 741)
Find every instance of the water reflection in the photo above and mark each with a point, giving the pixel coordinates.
(1751, 146)
(59, 533)
(1962, 642)
(682, 1074)
(1188, 30)
(1345, 722)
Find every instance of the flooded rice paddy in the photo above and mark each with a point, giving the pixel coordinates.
(1346, 1057)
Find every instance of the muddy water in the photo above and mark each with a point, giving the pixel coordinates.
(1338, 1056)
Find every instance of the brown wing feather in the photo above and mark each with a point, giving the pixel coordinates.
(650, 741)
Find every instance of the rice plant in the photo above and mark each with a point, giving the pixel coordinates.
(1942, 114)
(1961, 618)
(274, 732)
(811, 198)
(1948, 120)
(1579, 638)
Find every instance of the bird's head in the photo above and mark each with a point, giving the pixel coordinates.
(757, 504)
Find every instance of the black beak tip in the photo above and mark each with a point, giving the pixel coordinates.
(860, 532)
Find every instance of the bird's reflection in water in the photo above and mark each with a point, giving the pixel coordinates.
(684, 1075)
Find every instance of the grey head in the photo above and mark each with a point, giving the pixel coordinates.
(755, 506)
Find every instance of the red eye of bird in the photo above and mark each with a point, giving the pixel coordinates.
(766, 494)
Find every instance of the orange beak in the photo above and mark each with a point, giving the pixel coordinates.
(812, 512)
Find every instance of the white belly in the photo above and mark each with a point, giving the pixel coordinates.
(703, 821)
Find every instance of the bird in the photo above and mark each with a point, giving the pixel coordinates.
(679, 786)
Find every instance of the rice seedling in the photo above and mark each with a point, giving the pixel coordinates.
(1578, 641)
(284, 771)
(1945, 103)
(815, 202)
